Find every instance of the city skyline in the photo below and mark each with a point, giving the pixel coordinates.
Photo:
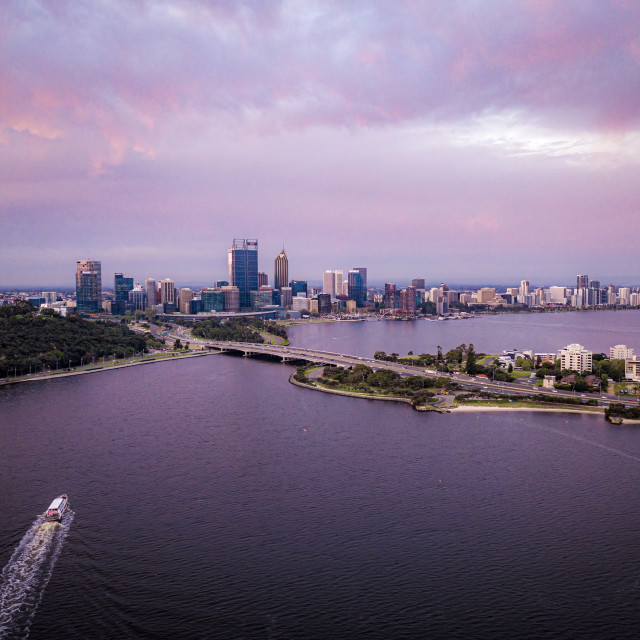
(423, 140)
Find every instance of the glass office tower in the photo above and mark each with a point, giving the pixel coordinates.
(243, 269)
(88, 286)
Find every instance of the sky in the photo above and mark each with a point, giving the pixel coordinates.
(458, 141)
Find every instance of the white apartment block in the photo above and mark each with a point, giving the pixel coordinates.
(575, 357)
(621, 352)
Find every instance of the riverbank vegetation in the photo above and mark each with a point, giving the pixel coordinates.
(32, 341)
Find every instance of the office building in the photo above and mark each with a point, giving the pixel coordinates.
(324, 303)
(338, 277)
(485, 295)
(151, 292)
(50, 296)
(121, 286)
(281, 270)
(286, 299)
(575, 357)
(418, 283)
(231, 297)
(167, 291)
(88, 286)
(329, 283)
(356, 287)
(298, 287)
(211, 300)
(557, 295)
(263, 280)
(136, 298)
(363, 274)
(184, 300)
(582, 282)
(243, 269)
(389, 295)
(261, 298)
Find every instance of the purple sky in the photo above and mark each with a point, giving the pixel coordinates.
(460, 141)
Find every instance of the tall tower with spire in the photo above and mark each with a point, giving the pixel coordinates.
(281, 270)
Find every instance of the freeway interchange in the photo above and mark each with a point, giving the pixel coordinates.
(291, 353)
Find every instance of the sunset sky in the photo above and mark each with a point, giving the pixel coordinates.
(459, 141)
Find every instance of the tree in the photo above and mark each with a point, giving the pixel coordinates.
(471, 366)
(177, 344)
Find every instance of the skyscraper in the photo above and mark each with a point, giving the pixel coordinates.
(243, 269)
(88, 285)
(329, 283)
(121, 286)
(356, 287)
(582, 282)
(418, 283)
(167, 291)
(363, 274)
(281, 270)
(150, 290)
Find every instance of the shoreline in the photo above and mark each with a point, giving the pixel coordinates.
(96, 369)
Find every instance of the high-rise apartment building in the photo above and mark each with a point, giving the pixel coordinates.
(281, 270)
(243, 269)
(88, 285)
(337, 282)
(575, 357)
(121, 286)
(621, 352)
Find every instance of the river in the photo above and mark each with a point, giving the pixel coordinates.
(212, 499)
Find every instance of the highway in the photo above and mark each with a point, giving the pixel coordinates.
(290, 353)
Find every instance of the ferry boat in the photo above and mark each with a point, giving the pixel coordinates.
(57, 508)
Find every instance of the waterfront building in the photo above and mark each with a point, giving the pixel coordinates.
(442, 305)
(486, 295)
(211, 299)
(356, 285)
(575, 357)
(121, 286)
(280, 270)
(434, 292)
(621, 352)
(167, 291)
(557, 295)
(263, 279)
(634, 300)
(136, 298)
(184, 300)
(88, 286)
(300, 303)
(624, 294)
(418, 283)
(151, 292)
(389, 295)
(243, 268)
(582, 282)
(313, 305)
(324, 303)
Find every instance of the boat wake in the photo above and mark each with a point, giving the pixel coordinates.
(24, 579)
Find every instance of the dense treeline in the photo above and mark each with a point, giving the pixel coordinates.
(364, 379)
(619, 410)
(31, 342)
(236, 329)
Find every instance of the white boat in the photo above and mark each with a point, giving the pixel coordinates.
(57, 508)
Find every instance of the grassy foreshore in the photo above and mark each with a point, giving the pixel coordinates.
(106, 366)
